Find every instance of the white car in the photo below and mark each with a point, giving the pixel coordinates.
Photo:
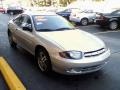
(83, 17)
(56, 44)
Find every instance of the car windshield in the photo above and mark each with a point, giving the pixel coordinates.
(115, 12)
(109, 11)
(51, 23)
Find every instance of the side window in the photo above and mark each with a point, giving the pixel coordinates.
(118, 12)
(18, 21)
(67, 10)
(28, 21)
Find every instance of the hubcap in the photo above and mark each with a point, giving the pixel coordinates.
(113, 25)
(84, 22)
(42, 58)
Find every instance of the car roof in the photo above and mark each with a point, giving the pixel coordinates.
(32, 13)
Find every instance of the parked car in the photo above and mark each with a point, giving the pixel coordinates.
(83, 17)
(65, 12)
(47, 9)
(109, 20)
(2, 10)
(14, 10)
(56, 44)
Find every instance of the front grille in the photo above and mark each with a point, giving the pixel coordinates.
(94, 53)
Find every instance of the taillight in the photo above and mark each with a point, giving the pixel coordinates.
(102, 17)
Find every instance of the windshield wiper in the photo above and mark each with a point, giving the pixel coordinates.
(59, 29)
(45, 30)
(64, 29)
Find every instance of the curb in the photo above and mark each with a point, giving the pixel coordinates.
(10, 77)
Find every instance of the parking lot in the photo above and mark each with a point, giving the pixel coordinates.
(26, 68)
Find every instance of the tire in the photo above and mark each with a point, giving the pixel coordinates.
(113, 25)
(43, 60)
(3, 12)
(84, 22)
(12, 43)
(11, 13)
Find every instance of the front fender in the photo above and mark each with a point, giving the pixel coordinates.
(113, 19)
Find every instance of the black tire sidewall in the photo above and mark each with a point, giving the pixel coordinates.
(82, 20)
(48, 62)
(12, 43)
(110, 25)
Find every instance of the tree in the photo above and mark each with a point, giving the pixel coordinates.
(50, 2)
(66, 2)
(43, 2)
(98, 0)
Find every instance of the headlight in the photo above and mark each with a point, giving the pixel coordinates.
(71, 54)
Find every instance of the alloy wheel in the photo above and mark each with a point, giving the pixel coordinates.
(113, 25)
(42, 59)
(84, 22)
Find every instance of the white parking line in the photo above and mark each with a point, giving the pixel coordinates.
(106, 32)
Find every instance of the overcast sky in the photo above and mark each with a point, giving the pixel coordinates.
(88, 4)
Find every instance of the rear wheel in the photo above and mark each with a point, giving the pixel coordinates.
(84, 21)
(11, 13)
(11, 41)
(43, 60)
(113, 25)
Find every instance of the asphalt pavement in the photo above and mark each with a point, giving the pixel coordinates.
(25, 66)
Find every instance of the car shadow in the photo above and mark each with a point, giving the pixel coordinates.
(54, 75)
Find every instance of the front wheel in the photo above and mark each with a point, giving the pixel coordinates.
(43, 60)
(113, 25)
(84, 21)
(11, 41)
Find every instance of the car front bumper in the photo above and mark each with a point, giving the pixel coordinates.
(83, 66)
(101, 22)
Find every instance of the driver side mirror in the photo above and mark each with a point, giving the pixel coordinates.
(27, 27)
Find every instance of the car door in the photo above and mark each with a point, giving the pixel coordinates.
(28, 36)
(23, 37)
(66, 13)
(18, 32)
(118, 14)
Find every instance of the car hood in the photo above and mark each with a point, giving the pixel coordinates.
(87, 14)
(108, 15)
(74, 40)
